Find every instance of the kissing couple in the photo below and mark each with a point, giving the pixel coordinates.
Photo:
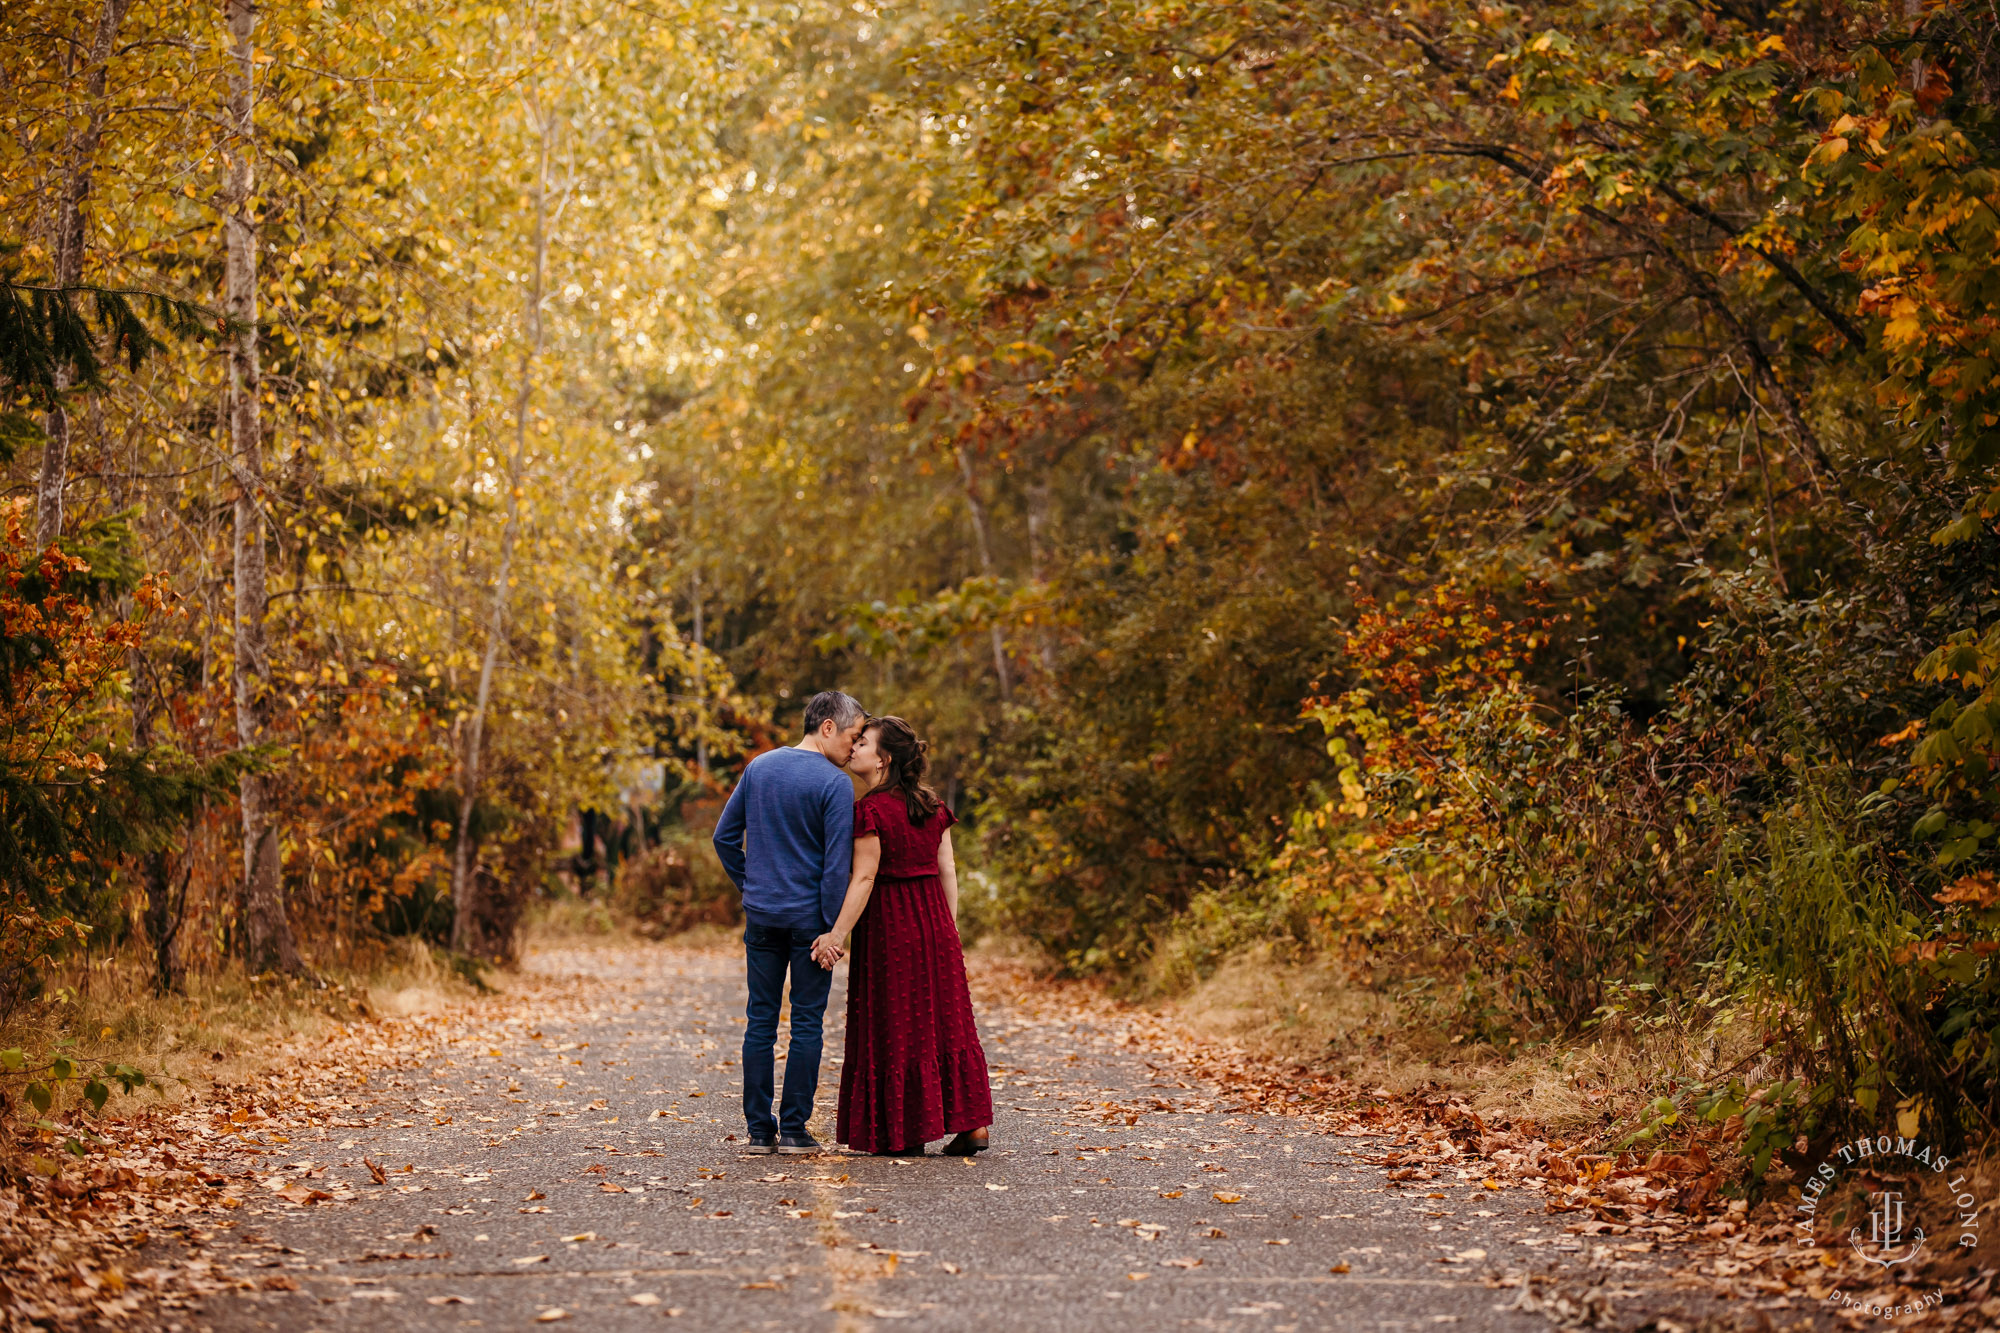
(814, 864)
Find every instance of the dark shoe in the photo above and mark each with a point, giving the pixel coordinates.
(761, 1145)
(966, 1144)
(797, 1143)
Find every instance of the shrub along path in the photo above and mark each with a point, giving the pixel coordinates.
(565, 1153)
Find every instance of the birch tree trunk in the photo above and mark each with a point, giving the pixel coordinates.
(978, 510)
(465, 933)
(79, 161)
(267, 931)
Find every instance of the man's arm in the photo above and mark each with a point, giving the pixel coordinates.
(729, 834)
(837, 842)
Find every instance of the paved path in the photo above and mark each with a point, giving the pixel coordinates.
(584, 1169)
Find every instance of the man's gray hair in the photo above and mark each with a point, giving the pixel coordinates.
(843, 710)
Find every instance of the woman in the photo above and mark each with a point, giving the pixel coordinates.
(915, 1070)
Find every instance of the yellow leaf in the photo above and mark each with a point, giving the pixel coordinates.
(1903, 331)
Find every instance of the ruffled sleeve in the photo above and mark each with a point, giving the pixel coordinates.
(867, 818)
(945, 817)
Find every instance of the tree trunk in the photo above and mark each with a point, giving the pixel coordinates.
(80, 157)
(267, 931)
(700, 682)
(163, 910)
(978, 510)
(163, 906)
(1038, 524)
(466, 887)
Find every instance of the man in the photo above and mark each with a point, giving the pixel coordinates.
(787, 838)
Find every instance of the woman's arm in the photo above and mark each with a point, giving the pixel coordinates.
(860, 884)
(948, 873)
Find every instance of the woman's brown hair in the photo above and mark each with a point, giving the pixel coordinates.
(906, 752)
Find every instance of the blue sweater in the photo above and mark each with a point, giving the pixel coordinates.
(787, 838)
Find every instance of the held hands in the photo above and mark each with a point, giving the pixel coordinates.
(826, 951)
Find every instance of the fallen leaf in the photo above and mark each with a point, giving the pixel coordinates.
(1338, 1268)
(532, 1259)
(1180, 1263)
(580, 1237)
(1221, 1197)
(449, 1300)
(610, 1187)
(1172, 1194)
(990, 1185)
(642, 1298)
(551, 1316)
(381, 1176)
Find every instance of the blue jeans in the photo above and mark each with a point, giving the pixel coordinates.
(768, 951)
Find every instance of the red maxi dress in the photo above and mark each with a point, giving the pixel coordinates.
(914, 1070)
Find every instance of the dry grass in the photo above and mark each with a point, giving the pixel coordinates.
(567, 921)
(221, 1029)
(1317, 1013)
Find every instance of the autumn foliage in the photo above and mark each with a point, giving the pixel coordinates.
(1503, 495)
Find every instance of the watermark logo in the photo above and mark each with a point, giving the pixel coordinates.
(1902, 1217)
(1885, 1232)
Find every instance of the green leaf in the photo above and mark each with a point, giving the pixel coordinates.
(19, 432)
(96, 1093)
(13, 1060)
(39, 1096)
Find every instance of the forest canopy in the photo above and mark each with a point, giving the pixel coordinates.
(1502, 493)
